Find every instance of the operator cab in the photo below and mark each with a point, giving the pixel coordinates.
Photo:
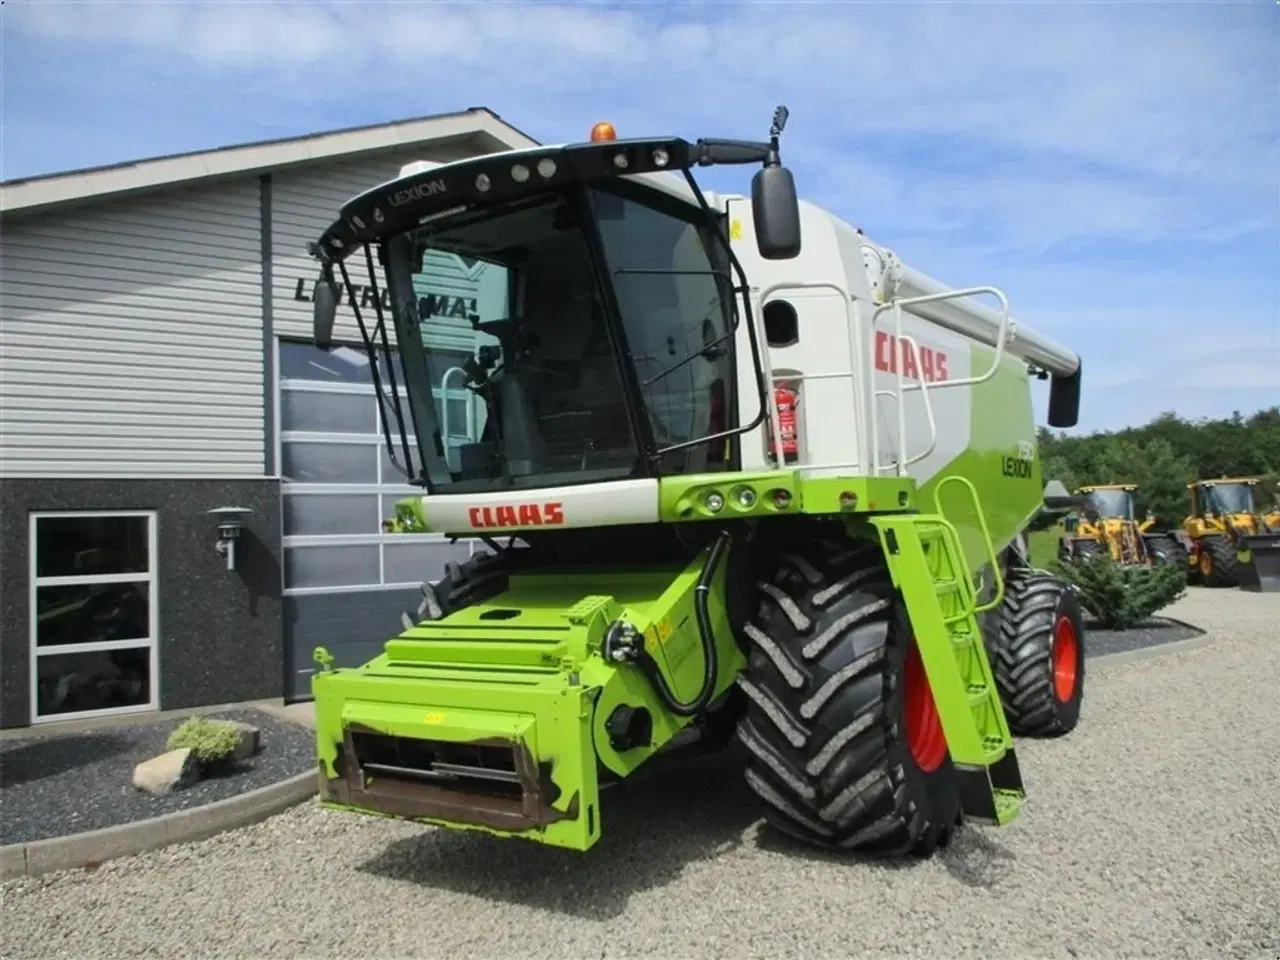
(1222, 498)
(599, 343)
(1110, 503)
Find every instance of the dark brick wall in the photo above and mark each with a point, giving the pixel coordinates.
(220, 631)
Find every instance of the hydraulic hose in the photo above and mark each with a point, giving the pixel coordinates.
(710, 659)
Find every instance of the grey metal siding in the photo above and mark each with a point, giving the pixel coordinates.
(131, 338)
(303, 204)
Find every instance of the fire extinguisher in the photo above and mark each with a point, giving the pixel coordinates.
(786, 399)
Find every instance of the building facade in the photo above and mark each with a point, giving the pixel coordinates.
(156, 365)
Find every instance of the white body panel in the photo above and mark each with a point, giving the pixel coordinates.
(592, 505)
(871, 392)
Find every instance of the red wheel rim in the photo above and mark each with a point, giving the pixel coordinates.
(1066, 652)
(925, 739)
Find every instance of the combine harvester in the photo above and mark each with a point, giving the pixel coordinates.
(746, 477)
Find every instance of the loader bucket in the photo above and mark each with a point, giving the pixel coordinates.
(1260, 563)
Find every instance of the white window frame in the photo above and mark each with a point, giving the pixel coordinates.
(152, 642)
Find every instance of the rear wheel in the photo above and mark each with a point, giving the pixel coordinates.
(1079, 549)
(1037, 654)
(845, 745)
(1217, 562)
(1167, 552)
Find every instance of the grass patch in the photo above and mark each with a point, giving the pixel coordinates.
(1043, 546)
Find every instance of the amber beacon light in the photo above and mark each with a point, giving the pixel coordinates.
(603, 131)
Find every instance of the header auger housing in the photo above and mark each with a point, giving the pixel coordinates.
(742, 475)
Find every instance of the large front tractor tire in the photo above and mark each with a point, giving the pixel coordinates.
(1037, 654)
(845, 746)
(1216, 562)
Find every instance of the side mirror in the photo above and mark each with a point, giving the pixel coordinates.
(324, 309)
(776, 212)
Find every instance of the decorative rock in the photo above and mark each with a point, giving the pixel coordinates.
(248, 744)
(169, 771)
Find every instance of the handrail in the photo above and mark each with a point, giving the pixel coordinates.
(928, 408)
(986, 537)
(854, 351)
(444, 408)
(1001, 336)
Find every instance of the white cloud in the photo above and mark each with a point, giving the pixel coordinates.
(1020, 144)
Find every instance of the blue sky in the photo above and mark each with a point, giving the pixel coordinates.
(1114, 167)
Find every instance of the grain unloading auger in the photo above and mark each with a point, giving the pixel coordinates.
(736, 487)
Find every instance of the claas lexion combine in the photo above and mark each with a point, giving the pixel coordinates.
(1106, 523)
(1231, 540)
(745, 478)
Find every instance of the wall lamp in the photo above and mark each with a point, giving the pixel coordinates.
(230, 523)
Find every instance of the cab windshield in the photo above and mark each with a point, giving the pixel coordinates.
(1112, 504)
(1229, 498)
(563, 338)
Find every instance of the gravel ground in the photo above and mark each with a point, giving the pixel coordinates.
(1153, 831)
(69, 783)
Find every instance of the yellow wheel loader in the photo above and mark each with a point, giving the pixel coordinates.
(1232, 542)
(1105, 523)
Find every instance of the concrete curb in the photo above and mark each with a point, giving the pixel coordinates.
(1156, 650)
(94, 847)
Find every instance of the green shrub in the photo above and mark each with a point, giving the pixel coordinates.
(1120, 596)
(210, 741)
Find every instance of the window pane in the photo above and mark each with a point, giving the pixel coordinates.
(388, 416)
(416, 562)
(71, 546)
(325, 514)
(329, 463)
(92, 612)
(338, 364)
(327, 412)
(341, 566)
(72, 682)
(674, 305)
(393, 474)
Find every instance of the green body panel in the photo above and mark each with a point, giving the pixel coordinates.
(535, 682)
(1010, 490)
(689, 498)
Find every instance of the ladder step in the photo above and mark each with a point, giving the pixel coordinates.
(931, 567)
(1008, 803)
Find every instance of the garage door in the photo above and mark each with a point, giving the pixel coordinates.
(345, 582)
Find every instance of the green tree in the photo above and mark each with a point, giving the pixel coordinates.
(1167, 453)
(1160, 472)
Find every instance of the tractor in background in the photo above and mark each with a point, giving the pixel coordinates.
(1106, 523)
(1230, 540)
